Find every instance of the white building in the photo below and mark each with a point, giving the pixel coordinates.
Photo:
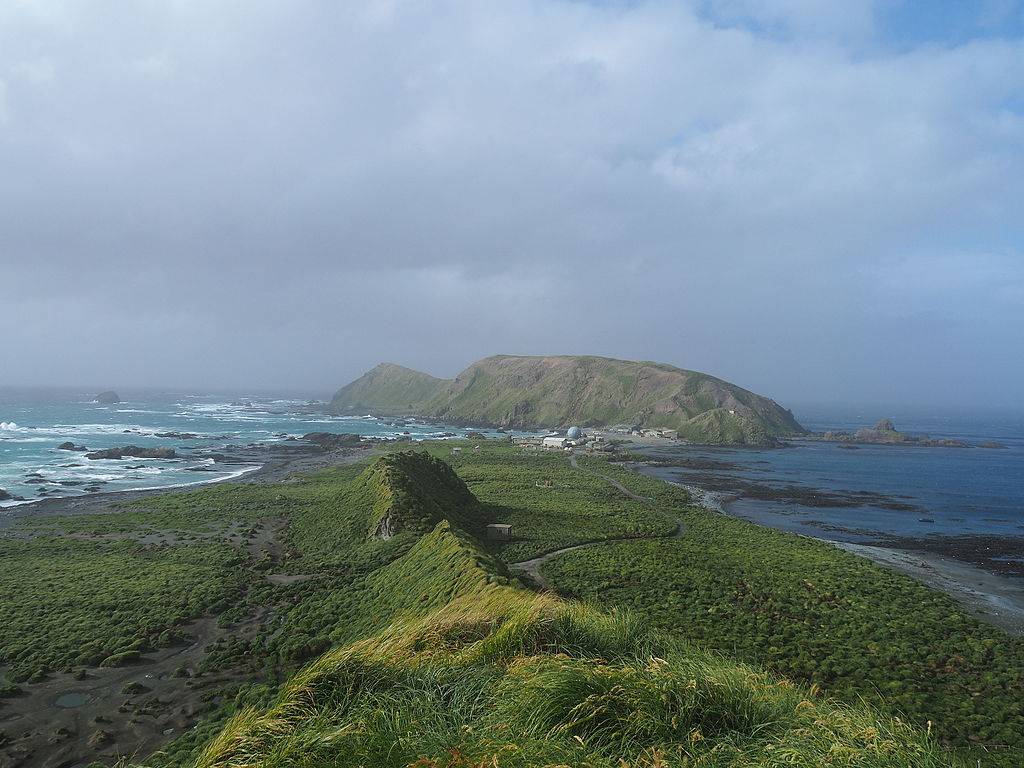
(555, 442)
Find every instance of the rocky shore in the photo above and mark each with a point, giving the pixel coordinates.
(985, 574)
(269, 462)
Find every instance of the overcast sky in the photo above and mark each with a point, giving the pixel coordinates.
(817, 199)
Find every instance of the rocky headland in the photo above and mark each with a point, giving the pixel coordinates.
(884, 432)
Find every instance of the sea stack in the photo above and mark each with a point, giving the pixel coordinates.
(107, 398)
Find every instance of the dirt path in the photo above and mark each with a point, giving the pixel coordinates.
(615, 483)
(532, 567)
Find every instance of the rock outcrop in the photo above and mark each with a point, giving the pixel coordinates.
(331, 441)
(133, 451)
(107, 398)
(885, 433)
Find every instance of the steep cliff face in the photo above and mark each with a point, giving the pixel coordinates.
(555, 392)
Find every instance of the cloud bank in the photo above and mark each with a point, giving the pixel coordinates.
(790, 195)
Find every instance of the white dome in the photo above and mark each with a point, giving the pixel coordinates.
(574, 433)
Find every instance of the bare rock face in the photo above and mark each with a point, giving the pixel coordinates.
(386, 528)
(107, 398)
(69, 446)
(133, 451)
(885, 425)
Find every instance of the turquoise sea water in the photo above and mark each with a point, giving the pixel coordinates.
(954, 491)
(34, 422)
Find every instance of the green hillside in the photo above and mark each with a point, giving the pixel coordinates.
(278, 628)
(389, 388)
(555, 392)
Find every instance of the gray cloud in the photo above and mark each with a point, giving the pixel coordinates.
(281, 194)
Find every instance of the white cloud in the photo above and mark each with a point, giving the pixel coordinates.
(711, 178)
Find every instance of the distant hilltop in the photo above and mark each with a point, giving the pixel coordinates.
(555, 392)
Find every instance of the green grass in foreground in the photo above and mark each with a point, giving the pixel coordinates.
(814, 614)
(502, 677)
(727, 586)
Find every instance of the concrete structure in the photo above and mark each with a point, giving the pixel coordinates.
(555, 442)
(499, 531)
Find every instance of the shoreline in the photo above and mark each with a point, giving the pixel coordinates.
(994, 599)
(261, 462)
(226, 478)
(989, 597)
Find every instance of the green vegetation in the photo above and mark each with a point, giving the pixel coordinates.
(84, 604)
(549, 504)
(391, 388)
(500, 677)
(435, 655)
(558, 391)
(814, 614)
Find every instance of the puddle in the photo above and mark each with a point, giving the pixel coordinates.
(72, 700)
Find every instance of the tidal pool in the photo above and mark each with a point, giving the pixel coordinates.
(72, 700)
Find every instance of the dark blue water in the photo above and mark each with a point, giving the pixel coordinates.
(954, 490)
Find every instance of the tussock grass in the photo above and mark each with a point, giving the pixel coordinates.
(502, 677)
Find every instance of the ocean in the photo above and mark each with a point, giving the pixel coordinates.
(33, 422)
(815, 488)
(870, 491)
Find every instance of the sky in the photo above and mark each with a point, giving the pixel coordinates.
(820, 200)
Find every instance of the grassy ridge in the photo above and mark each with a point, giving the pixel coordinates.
(499, 676)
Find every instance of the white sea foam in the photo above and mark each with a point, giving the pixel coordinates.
(205, 481)
(221, 478)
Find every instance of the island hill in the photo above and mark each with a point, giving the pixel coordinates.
(555, 392)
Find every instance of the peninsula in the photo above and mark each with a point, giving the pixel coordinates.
(558, 391)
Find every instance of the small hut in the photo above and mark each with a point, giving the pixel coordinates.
(499, 531)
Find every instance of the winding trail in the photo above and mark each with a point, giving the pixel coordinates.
(532, 567)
